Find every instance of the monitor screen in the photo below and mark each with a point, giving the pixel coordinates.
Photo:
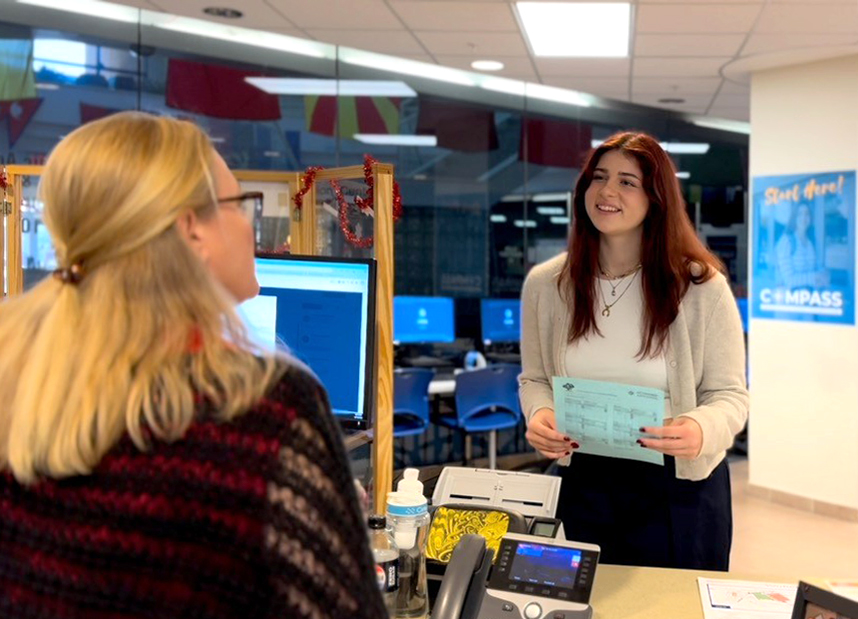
(423, 320)
(323, 310)
(545, 565)
(500, 320)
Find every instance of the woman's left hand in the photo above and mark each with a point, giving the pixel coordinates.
(681, 438)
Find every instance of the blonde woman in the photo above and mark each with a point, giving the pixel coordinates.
(152, 463)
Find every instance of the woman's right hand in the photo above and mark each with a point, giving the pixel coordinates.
(543, 435)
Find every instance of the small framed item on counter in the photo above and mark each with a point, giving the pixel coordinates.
(815, 603)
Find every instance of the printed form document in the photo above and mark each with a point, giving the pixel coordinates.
(605, 418)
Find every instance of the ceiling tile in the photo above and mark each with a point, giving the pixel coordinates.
(688, 44)
(473, 43)
(698, 1)
(613, 87)
(728, 100)
(762, 43)
(513, 66)
(690, 100)
(733, 113)
(732, 88)
(679, 67)
(692, 107)
(692, 18)
(257, 13)
(332, 14)
(581, 67)
(676, 86)
(456, 16)
(381, 41)
(142, 4)
(796, 18)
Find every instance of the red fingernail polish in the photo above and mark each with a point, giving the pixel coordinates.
(575, 445)
(568, 453)
(642, 429)
(639, 442)
(567, 439)
(642, 445)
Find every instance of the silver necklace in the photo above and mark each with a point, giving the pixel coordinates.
(606, 311)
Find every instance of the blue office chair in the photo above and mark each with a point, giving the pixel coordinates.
(486, 401)
(411, 402)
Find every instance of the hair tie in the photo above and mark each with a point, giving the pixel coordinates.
(71, 275)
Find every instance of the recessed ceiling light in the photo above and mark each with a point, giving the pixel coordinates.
(582, 29)
(487, 65)
(671, 100)
(221, 11)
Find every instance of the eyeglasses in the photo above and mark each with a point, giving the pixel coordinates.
(249, 203)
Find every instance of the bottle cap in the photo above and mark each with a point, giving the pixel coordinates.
(377, 522)
(410, 483)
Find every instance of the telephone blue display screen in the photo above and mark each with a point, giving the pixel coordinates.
(423, 319)
(501, 320)
(545, 565)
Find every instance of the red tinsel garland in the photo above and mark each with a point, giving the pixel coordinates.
(4, 180)
(365, 205)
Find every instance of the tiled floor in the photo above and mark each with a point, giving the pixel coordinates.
(773, 540)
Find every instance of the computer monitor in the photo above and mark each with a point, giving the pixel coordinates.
(500, 320)
(419, 320)
(323, 310)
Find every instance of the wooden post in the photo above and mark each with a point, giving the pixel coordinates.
(3, 215)
(14, 259)
(302, 223)
(382, 446)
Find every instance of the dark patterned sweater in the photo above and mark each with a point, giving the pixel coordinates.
(256, 518)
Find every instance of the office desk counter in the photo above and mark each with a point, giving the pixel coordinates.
(621, 592)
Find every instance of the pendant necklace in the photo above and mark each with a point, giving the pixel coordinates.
(617, 278)
(606, 311)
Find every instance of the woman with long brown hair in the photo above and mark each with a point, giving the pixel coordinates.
(639, 300)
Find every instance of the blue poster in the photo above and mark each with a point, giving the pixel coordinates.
(804, 247)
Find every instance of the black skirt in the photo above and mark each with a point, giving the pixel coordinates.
(641, 514)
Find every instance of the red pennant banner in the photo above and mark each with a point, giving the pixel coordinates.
(18, 115)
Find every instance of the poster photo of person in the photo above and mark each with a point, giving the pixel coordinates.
(804, 247)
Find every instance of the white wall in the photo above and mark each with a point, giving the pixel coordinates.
(804, 376)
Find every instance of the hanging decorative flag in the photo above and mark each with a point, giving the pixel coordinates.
(16, 70)
(218, 91)
(18, 115)
(351, 115)
(554, 143)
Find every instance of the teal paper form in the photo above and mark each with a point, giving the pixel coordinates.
(605, 418)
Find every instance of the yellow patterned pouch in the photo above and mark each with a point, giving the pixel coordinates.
(449, 525)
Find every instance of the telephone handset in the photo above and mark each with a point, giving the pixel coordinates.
(461, 593)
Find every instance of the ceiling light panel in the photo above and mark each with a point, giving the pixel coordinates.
(581, 29)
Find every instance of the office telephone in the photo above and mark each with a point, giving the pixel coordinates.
(533, 578)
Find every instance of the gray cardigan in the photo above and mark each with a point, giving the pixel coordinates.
(705, 359)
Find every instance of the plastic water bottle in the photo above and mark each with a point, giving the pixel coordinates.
(408, 515)
(386, 556)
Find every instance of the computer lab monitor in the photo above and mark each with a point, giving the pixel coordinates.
(323, 310)
(423, 320)
(500, 320)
